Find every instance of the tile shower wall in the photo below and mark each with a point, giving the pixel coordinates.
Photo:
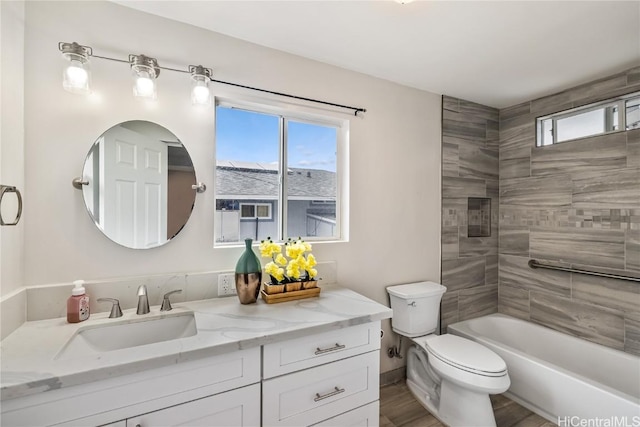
(469, 169)
(576, 203)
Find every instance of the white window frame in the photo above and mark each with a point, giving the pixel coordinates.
(255, 210)
(302, 114)
(620, 102)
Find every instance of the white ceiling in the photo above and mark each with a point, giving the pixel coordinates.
(497, 53)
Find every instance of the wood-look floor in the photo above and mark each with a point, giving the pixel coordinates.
(398, 408)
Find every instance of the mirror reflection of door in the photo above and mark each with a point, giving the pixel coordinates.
(134, 173)
(139, 184)
(180, 195)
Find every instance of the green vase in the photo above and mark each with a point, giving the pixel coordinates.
(248, 275)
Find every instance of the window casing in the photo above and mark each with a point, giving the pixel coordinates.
(289, 185)
(613, 115)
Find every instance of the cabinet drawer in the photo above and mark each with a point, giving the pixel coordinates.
(121, 397)
(236, 408)
(301, 353)
(316, 394)
(364, 416)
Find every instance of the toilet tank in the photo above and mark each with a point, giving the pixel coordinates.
(415, 308)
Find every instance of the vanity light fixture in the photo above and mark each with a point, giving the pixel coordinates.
(76, 77)
(200, 77)
(145, 70)
(76, 74)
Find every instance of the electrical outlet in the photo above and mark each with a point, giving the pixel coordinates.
(226, 284)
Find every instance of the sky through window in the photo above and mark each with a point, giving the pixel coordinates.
(253, 137)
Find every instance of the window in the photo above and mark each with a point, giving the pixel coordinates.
(633, 114)
(255, 211)
(277, 175)
(595, 119)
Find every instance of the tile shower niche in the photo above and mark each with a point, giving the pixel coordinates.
(479, 217)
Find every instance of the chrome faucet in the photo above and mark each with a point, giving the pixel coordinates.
(115, 308)
(166, 304)
(143, 300)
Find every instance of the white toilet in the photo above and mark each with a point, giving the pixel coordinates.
(449, 375)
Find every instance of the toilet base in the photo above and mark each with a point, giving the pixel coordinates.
(457, 408)
(423, 398)
(460, 406)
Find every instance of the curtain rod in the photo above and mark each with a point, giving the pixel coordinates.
(356, 110)
(535, 264)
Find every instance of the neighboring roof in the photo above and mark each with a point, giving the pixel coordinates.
(235, 164)
(260, 181)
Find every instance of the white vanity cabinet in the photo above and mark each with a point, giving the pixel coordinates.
(287, 376)
(330, 378)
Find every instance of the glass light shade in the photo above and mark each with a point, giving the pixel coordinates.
(144, 82)
(200, 93)
(76, 74)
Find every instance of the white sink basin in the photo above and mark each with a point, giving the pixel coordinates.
(106, 337)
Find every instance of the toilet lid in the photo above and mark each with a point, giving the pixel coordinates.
(416, 290)
(466, 354)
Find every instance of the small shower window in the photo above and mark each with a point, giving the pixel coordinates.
(633, 113)
(479, 217)
(589, 120)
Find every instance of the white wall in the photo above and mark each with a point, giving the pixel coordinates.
(394, 156)
(12, 141)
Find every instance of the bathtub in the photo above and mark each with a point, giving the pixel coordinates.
(558, 376)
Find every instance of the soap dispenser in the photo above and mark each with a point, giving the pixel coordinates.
(78, 303)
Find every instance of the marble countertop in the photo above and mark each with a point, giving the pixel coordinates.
(31, 361)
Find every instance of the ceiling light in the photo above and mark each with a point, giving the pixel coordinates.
(76, 75)
(145, 70)
(200, 92)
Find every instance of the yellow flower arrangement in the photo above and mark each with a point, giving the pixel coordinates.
(297, 268)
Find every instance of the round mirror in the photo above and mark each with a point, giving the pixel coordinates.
(137, 182)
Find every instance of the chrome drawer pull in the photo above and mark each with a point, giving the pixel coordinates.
(336, 391)
(327, 350)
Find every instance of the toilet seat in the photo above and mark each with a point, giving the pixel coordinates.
(467, 355)
(464, 354)
(465, 363)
